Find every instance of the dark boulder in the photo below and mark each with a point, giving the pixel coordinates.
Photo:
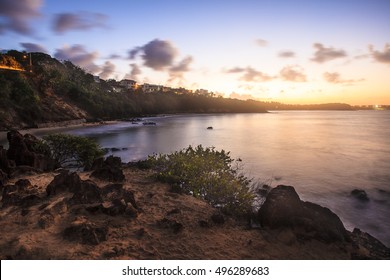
(84, 192)
(86, 233)
(117, 191)
(64, 182)
(18, 150)
(110, 170)
(22, 150)
(117, 201)
(98, 163)
(88, 193)
(22, 193)
(114, 208)
(360, 194)
(284, 209)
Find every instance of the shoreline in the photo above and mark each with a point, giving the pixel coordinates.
(123, 211)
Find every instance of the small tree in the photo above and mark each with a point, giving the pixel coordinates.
(69, 149)
(208, 174)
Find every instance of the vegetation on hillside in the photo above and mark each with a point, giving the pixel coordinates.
(207, 174)
(53, 90)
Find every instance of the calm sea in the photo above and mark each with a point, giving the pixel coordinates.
(323, 154)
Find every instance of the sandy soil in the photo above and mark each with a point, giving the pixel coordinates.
(150, 234)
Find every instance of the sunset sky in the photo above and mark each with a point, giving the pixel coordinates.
(292, 51)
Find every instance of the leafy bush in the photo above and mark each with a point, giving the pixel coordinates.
(70, 149)
(208, 174)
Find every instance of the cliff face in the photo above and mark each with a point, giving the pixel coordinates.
(29, 98)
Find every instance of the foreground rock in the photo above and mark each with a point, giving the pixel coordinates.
(284, 209)
(109, 169)
(22, 151)
(22, 157)
(22, 194)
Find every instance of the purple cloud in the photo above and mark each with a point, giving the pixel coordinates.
(65, 22)
(286, 54)
(261, 42)
(135, 71)
(383, 57)
(293, 73)
(107, 70)
(17, 15)
(79, 56)
(157, 54)
(250, 74)
(31, 47)
(324, 54)
(177, 71)
(334, 78)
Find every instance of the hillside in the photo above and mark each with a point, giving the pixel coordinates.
(54, 91)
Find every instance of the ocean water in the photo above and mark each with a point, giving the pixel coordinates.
(323, 154)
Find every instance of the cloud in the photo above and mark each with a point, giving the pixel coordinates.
(250, 74)
(78, 55)
(65, 22)
(157, 54)
(182, 66)
(286, 54)
(235, 95)
(107, 70)
(324, 54)
(334, 78)
(30, 47)
(134, 72)
(235, 70)
(293, 73)
(115, 56)
(17, 15)
(261, 42)
(383, 57)
(177, 71)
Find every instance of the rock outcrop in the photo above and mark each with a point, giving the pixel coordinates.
(22, 193)
(22, 157)
(284, 209)
(23, 152)
(109, 169)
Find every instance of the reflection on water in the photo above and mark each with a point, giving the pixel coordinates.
(324, 155)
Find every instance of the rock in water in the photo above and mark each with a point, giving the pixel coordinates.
(284, 209)
(360, 194)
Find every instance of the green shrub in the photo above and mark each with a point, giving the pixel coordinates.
(208, 174)
(69, 149)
